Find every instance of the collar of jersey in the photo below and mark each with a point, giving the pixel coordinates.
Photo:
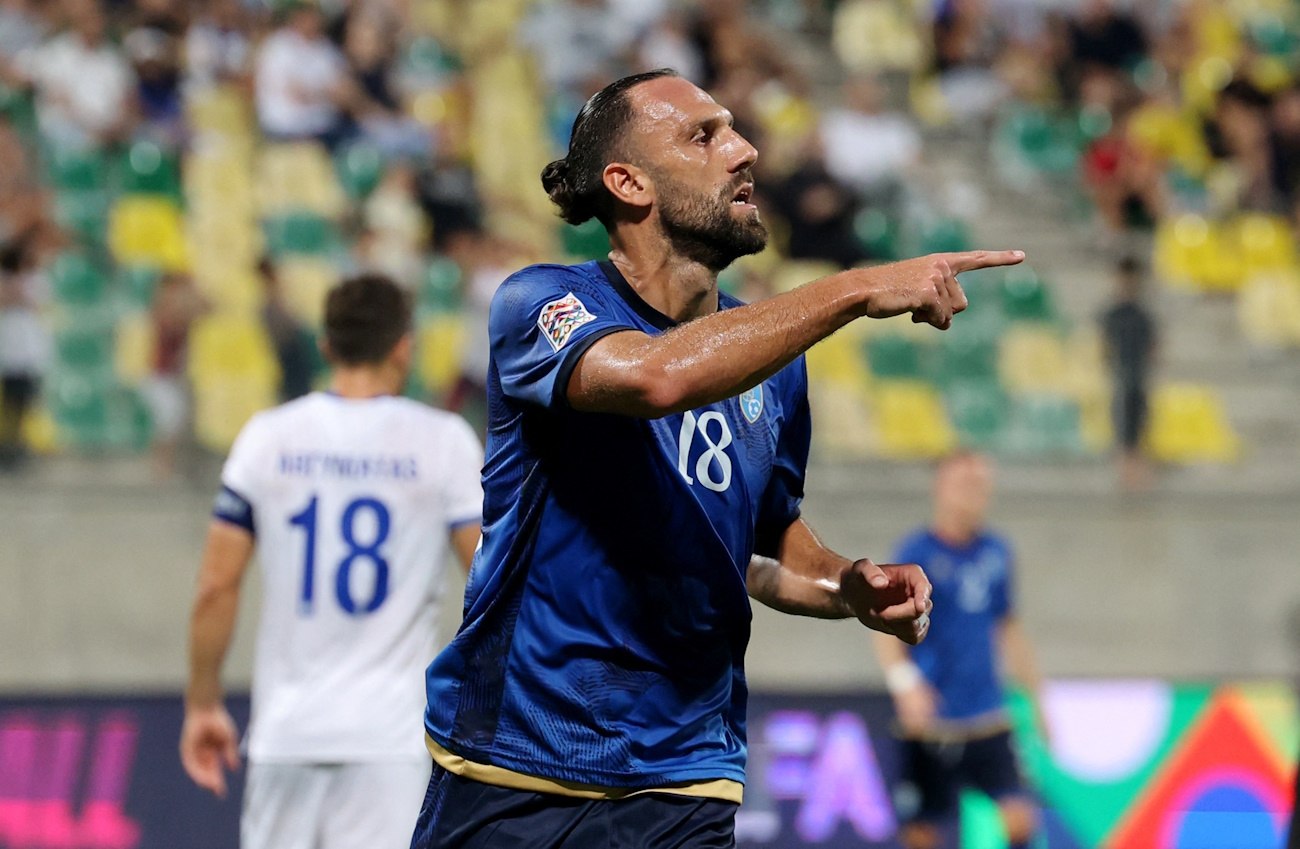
(635, 301)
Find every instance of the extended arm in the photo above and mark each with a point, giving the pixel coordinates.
(209, 737)
(720, 355)
(808, 579)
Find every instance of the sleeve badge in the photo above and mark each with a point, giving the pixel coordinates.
(560, 318)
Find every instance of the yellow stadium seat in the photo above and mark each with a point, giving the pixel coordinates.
(1189, 425)
(440, 340)
(844, 423)
(1087, 382)
(1197, 254)
(1268, 310)
(838, 360)
(222, 110)
(224, 404)
(870, 36)
(298, 176)
(40, 431)
(226, 346)
(147, 230)
(1267, 244)
(911, 421)
(1166, 132)
(306, 281)
(133, 348)
(794, 273)
(1031, 359)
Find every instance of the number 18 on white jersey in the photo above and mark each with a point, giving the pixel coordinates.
(351, 502)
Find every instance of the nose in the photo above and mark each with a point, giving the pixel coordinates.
(742, 155)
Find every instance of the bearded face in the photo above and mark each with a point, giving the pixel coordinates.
(713, 228)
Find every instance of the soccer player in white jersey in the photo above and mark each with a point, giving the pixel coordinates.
(350, 497)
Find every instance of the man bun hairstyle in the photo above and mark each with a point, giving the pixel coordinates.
(576, 183)
(365, 317)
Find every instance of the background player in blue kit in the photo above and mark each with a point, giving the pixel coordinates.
(951, 706)
(647, 442)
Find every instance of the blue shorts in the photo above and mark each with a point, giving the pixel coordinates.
(937, 772)
(462, 814)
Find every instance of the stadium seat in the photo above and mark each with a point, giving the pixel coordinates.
(1043, 424)
(223, 405)
(1031, 358)
(300, 233)
(791, 274)
(837, 360)
(73, 169)
(1267, 244)
(977, 410)
(360, 168)
(82, 348)
(79, 406)
(944, 235)
(966, 356)
(148, 169)
(148, 230)
(134, 348)
(1188, 424)
(136, 284)
(440, 339)
(1268, 310)
(77, 282)
(298, 177)
(306, 281)
(84, 215)
(224, 346)
(1025, 296)
(877, 234)
(845, 426)
(896, 357)
(440, 289)
(910, 420)
(586, 241)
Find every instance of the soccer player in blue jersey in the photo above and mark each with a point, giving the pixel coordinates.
(646, 447)
(947, 691)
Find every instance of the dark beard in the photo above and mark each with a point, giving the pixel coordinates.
(702, 228)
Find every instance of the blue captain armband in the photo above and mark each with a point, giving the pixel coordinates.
(233, 508)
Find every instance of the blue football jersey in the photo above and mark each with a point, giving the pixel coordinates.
(606, 614)
(972, 594)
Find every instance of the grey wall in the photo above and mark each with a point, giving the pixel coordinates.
(1197, 581)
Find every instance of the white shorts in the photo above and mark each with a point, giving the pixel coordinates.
(332, 806)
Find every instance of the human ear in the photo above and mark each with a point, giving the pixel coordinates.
(629, 184)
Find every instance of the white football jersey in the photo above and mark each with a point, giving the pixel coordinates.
(352, 502)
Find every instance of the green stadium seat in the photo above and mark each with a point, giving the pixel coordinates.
(440, 291)
(137, 284)
(1026, 296)
(1043, 425)
(83, 214)
(978, 412)
(84, 349)
(877, 234)
(360, 167)
(76, 169)
(148, 169)
(965, 355)
(983, 313)
(77, 282)
(944, 235)
(79, 403)
(586, 241)
(893, 356)
(300, 233)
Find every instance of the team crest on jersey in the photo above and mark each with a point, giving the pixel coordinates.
(560, 318)
(751, 403)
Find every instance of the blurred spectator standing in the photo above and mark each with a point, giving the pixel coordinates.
(166, 392)
(84, 86)
(967, 45)
(576, 41)
(1101, 40)
(818, 210)
(1130, 337)
(301, 79)
(290, 338)
(21, 28)
(867, 146)
(155, 59)
(217, 47)
(375, 101)
(25, 350)
(24, 207)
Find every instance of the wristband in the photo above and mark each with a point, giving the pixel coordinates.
(902, 677)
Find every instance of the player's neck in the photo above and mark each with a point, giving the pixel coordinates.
(676, 286)
(359, 382)
(953, 532)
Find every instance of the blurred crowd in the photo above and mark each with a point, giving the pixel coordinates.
(411, 104)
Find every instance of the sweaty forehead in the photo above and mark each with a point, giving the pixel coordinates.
(671, 102)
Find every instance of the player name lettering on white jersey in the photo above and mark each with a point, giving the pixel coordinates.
(352, 502)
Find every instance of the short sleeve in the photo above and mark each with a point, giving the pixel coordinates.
(542, 320)
(462, 488)
(784, 493)
(240, 481)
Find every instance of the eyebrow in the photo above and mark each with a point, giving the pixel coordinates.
(711, 122)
